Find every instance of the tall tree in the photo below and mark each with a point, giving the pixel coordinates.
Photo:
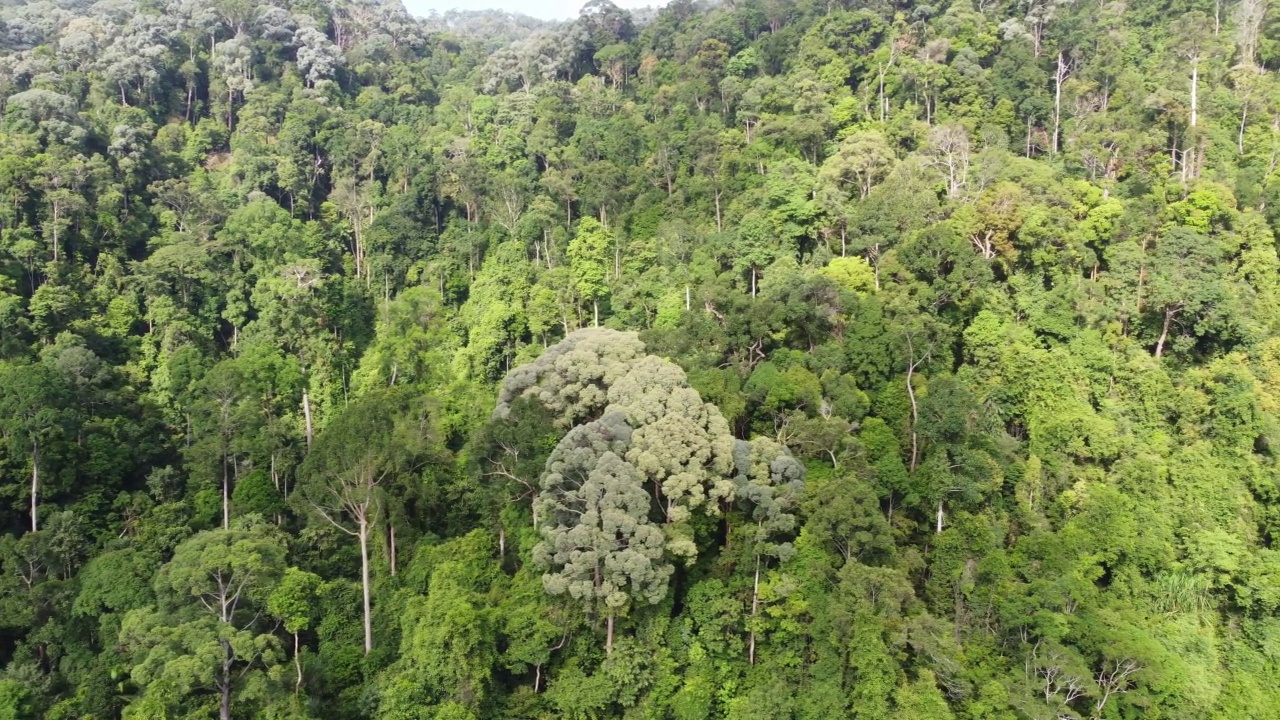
(34, 417)
(598, 545)
(589, 259)
(207, 633)
(363, 448)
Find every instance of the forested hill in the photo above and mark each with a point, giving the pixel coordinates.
(756, 360)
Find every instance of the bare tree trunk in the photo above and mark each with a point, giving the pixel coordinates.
(939, 514)
(35, 485)
(881, 102)
(1195, 91)
(1244, 115)
(1164, 331)
(226, 494)
(364, 582)
(297, 664)
(755, 607)
(306, 413)
(1059, 76)
(915, 413)
(224, 683)
(392, 532)
(55, 230)
(608, 638)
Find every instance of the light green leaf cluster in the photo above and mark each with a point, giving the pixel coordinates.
(681, 444)
(573, 377)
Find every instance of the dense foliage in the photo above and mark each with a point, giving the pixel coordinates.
(770, 359)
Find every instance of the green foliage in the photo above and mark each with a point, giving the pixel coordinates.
(765, 359)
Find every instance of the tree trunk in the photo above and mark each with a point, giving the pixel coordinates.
(595, 312)
(297, 664)
(915, 416)
(55, 230)
(35, 485)
(226, 494)
(306, 413)
(1244, 115)
(1195, 87)
(608, 638)
(1059, 76)
(224, 683)
(939, 514)
(1164, 331)
(755, 607)
(882, 101)
(392, 532)
(364, 583)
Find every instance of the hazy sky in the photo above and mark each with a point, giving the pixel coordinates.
(549, 9)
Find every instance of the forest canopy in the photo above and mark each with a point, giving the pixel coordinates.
(746, 360)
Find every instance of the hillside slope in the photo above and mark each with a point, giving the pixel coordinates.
(937, 372)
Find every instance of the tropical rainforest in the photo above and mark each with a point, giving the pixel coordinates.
(753, 359)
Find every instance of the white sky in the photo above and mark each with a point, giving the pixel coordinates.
(547, 9)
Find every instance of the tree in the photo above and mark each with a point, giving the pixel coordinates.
(369, 443)
(1249, 16)
(293, 602)
(218, 414)
(589, 259)
(33, 418)
(921, 699)
(206, 633)
(598, 545)
(1184, 281)
(317, 57)
(769, 483)
(512, 451)
(950, 153)
(844, 513)
(572, 378)
(862, 160)
(448, 649)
